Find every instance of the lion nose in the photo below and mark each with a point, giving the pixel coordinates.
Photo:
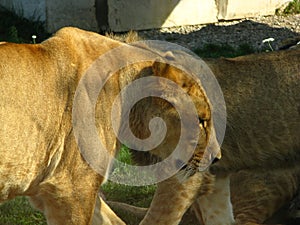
(217, 157)
(215, 160)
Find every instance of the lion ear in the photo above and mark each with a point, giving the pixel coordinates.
(159, 68)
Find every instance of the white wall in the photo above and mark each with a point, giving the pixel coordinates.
(237, 9)
(143, 14)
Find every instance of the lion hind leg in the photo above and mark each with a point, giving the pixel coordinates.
(104, 215)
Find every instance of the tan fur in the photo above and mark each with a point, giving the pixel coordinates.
(263, 110)
(255, 196)
(263, 126)
(262, 93)
(39, 154)
(105, 216)
(170, 192)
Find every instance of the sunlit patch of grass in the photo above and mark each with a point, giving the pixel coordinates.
(139, 196)
(292, 8)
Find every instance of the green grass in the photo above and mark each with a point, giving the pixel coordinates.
(225, 50)
(124, 155)
(292, 8)
(19, 212)
(138, 196)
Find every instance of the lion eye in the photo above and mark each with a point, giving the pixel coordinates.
(202, 122)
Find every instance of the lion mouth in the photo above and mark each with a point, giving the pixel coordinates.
(194, 166)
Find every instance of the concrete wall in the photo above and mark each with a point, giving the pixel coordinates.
(236, 9)
(31, 9)
(56, 13)
(144, 14)
(124, 15)
(79, 13)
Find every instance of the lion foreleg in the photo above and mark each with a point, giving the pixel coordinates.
(216, 208)
(66, 200)
(172, 198)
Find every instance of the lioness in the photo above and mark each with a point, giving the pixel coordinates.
(39, 154)
(262, 94)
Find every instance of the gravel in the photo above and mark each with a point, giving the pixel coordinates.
(251, 31)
